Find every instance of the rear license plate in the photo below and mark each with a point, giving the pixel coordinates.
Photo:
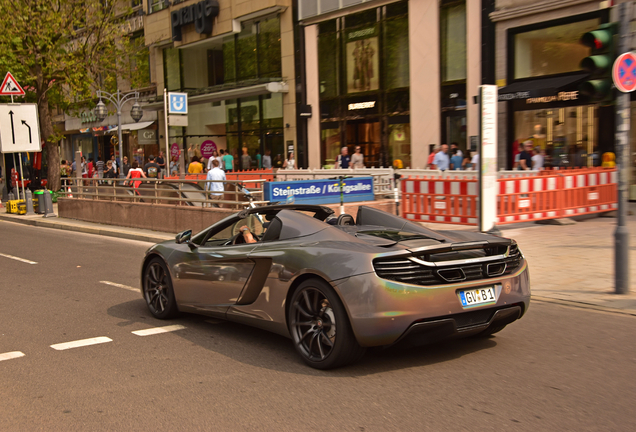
(479, 296)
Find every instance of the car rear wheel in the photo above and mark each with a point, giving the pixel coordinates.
(320, 327)
(158, 291)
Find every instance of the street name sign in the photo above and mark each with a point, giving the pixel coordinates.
(19, 128)
(177, 103)
(10, 86)
(624, 72)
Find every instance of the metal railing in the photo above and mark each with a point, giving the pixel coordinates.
(163, 191)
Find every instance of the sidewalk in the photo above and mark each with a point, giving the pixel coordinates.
(569, 264)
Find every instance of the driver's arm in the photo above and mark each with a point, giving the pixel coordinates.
(247, 235)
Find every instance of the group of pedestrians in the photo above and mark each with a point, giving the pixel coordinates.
(345, 161)
(440, 159)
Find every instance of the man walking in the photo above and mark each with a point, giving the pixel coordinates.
(525, 157)
(213, 185)
(343, 159)
(228, 160)
(441, 160)
(151, 169)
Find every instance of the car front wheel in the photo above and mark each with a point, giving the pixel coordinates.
(320, 327)
(158, 291)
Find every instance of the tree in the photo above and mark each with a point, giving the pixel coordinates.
(61, 51)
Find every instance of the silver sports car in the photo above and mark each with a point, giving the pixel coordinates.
(336, 285)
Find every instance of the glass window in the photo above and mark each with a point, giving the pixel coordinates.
(246, 53)
(400, 145)
(229, 61)
(156, 5)
(331, 145)
(551, 50)
(172, 67)
(396, 52)
(139, 62)
(328, 64)
(453, 42)
(269, 54)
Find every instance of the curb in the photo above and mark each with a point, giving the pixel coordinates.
(97, 230)
(583, 305)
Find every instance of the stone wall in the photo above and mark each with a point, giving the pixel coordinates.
(168, 218)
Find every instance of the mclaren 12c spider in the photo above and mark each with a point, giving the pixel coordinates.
(337, 285)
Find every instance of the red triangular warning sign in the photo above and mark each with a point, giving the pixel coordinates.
(10, 86)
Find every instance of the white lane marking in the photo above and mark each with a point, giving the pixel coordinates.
(81, 343)
(11, 355)
(18, 259)
(157, 330)
(126, 287)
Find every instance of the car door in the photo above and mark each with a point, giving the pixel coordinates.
(211, 276)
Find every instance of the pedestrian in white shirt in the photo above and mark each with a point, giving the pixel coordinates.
(215, 188)
(537, 159)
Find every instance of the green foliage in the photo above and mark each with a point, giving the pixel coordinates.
(61, 51)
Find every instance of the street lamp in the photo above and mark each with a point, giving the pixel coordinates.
(118, 99)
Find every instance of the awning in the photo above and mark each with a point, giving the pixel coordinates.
(241, 92)
(539, 87)
(133, 126)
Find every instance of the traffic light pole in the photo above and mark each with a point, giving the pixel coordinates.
(621, 235)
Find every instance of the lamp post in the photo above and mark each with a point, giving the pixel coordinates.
(118, 99)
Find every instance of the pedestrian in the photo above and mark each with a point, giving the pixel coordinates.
(259, 160)
(114, 162)
(467, 163)
(431, 156)
(220, 159)
(474, 161)
(151, 169)
(455, 146)
(343, 159)
(525, 157)
(110, 172)
(537, 159)
(267, 160)
(357, 159)
(228, 161)
(135, 173)
(174, 165)
(195, 166)
(65, 172)
(161, 162)
(290, 162)
(213, 185)
(517, 155)
(125, 167)
(441, 161)
(90, 168)
(214, 156)
(246, 160)
(456, 160)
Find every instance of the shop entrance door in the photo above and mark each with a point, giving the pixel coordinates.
(366, 134)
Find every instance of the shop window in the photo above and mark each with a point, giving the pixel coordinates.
(330, 144)
(362, 59)
(400, 145)
(229, 63)
(551, 50)
(362, 18)
(453, 42)
(272, 110)
(216, 71)
(328, 64)
(246, 57)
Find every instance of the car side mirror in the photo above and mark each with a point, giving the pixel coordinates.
(183, 237)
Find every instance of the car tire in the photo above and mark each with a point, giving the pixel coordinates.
(158, 292)
(320, 327)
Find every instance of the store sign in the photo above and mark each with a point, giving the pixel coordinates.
(320, 191)
(361, 105)
(174, 150)
(561, 96)
(147, 136)
(88, 117)
(202, 14)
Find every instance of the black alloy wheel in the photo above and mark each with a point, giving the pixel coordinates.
(158, 291)
(320, 327)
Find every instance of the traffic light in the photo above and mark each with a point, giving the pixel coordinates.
(599, 64)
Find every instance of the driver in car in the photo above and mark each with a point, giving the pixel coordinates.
(247, 235)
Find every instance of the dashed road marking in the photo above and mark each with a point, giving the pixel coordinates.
(157, 330)
(18, 258)
(81, 343)
(126, 287)
(11, 355)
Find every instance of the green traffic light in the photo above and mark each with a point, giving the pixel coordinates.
(597, 63)
(596, 89)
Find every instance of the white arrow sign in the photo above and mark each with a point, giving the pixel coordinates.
(19, 128)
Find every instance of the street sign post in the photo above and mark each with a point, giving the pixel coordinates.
(19, 128)
(624, 72)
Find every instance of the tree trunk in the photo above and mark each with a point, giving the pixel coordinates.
(52, 150)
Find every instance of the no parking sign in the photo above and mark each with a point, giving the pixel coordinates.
(624, 72)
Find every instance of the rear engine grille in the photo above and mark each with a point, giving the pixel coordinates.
(404, 270)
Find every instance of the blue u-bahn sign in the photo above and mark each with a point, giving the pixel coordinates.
(325, 191)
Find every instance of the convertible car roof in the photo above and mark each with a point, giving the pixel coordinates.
(322, 212)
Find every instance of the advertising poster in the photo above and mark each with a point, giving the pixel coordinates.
(488, 158)
(362, 60)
